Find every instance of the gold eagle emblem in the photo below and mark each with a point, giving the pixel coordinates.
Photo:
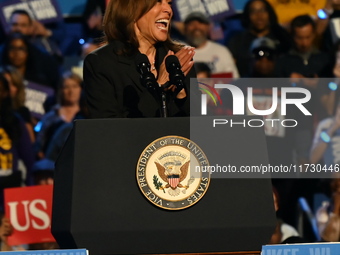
(173, 176)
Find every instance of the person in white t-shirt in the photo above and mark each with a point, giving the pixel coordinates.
(217, 56)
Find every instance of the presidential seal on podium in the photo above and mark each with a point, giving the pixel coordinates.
(169, 173)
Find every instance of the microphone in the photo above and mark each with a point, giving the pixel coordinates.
(147, 77)
(176, 76)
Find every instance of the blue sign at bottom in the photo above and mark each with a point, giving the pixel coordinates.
(302, 249)
(47, 252)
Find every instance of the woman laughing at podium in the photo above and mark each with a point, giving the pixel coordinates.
(120, 81)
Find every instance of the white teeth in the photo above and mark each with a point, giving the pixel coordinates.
(163, 20)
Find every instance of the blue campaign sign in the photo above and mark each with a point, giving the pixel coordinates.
(47, 252)
(214, 9)
(302, 249)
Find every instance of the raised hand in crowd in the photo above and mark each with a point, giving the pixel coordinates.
(38, 29)
(6, 230)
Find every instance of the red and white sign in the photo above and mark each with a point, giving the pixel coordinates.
(29, 210)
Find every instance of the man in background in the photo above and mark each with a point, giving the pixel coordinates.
(21, 22)
(216, 56)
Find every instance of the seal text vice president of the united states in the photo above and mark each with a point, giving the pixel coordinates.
(112, 81)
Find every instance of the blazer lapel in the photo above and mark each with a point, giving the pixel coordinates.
(129, 64)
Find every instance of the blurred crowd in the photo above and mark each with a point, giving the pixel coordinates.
(297, 40)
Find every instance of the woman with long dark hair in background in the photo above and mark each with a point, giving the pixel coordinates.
(18, 95)
(33, 64)
(15, 144)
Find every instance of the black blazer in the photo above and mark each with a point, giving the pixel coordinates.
(113, 87)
